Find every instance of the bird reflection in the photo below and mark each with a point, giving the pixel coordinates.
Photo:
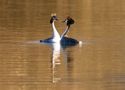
(57, 49)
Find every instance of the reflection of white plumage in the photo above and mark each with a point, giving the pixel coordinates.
(55, 37)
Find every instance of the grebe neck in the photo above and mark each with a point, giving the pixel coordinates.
(65, 32)
(55, 35)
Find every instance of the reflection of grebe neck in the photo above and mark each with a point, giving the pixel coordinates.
(65, 32)
(56, 54)
(55, 60)
(56, 36)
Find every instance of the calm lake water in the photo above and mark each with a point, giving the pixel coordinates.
(99, 64)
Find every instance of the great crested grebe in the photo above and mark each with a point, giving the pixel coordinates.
(66, 40)
(55, 36)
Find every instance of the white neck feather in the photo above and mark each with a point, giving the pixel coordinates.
(56, 36)
(65, 32)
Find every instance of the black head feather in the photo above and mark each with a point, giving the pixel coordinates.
(69, 21)
(53, 18)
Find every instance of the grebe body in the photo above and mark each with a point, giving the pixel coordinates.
(55, 36)
(67, 40)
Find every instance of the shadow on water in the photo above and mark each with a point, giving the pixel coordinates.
(57, 49)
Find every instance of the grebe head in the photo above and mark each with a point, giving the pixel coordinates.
(53, 18)
(69, 21)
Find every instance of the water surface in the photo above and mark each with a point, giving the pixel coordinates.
(99, 64)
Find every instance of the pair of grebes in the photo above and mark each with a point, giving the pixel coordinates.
(56, 37)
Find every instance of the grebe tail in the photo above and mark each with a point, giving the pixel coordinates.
(55, 36)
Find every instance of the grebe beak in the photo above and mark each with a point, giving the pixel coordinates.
(56, 18)
(63, 21)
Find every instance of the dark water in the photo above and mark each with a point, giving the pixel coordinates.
(99, 64)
